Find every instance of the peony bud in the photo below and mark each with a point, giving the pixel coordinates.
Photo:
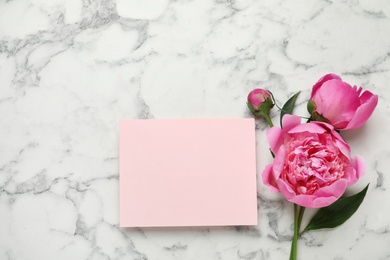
(260, 102)
(339, 104)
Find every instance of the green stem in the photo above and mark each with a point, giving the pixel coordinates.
(293, 254)
(268, 119)
(300, 216)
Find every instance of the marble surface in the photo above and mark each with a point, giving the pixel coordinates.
(71, 69)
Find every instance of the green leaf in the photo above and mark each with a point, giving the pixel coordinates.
(337, 213)
(288, 107)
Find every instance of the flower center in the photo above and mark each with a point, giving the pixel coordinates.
(313, 161)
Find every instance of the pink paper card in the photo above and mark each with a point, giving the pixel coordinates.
(187, 172)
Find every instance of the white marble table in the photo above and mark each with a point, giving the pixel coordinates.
(70, 70)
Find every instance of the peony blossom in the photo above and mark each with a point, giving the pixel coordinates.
(312, 165)
(336, 102)
(260, 102)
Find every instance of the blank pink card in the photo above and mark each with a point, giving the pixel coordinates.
(187, 172)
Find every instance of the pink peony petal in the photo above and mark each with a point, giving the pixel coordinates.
(323, 197)
(290, 121)
(337, 101)
(367, 96)
(268, 178)
(358, 90)
(364, 111)
(359, 165)
(309, 201)
(322, 80)
(303, 200)
(323, 201)
(275, 134)
(336, 189)
(313, 127)
(275, 140)
(351, 175)
(341, 144)
(285, 189)
(278, 164)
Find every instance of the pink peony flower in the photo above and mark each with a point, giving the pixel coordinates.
(336, 102)
(312, 165)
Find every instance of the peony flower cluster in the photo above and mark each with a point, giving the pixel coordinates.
(313, 164)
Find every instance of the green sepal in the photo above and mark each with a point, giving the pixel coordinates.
(317, 117)
(311, 106)
(263, 109)
(314, 116)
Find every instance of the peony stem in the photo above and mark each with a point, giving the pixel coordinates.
(300, 216)
(268, 119)
(294, 243)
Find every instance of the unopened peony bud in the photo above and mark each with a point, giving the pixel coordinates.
(260, 102)
(338, 103)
